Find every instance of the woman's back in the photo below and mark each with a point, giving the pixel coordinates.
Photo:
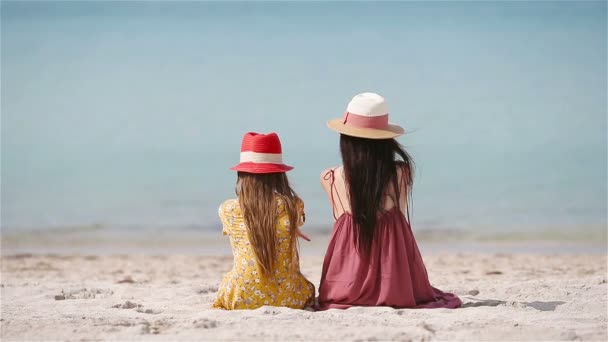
(393, 273)
(334, 183)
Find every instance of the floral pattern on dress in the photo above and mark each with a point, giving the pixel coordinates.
(244, 287)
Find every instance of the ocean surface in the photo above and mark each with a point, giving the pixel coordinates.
(125, 116)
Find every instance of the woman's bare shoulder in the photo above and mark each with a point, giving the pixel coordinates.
(327, 175)
(403, 172)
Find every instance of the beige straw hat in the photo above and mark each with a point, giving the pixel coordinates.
(366, 116)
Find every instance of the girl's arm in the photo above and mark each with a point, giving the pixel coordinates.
(301, 221)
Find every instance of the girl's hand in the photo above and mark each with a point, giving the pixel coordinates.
(302, 235)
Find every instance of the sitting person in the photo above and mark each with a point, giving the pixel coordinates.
(263, 224)
(373, 258)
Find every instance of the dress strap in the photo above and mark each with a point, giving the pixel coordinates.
(328, 175)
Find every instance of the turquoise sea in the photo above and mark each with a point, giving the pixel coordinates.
(125, 116)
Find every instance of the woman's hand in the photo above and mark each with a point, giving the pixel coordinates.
(302, 235)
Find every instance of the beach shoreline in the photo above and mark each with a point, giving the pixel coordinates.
(167, 297)
(206, 243)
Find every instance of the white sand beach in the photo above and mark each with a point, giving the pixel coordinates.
(135, 297)
(120, 121)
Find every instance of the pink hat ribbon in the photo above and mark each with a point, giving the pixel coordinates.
(355, 120)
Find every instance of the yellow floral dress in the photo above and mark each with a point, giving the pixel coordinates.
(244, 287)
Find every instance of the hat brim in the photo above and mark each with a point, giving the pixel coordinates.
(392, 131)
(261, 167)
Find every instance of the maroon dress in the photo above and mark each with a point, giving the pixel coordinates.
(394, 275)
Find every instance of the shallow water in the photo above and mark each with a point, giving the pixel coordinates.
(126, 116)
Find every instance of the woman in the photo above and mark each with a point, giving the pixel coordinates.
(372, 258)
(263, 225)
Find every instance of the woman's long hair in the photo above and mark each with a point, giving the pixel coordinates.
(257, 198)
(370, 170)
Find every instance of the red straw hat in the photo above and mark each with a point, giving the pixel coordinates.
(261, 153)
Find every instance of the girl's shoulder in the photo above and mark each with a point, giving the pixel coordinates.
(230, 207)
(281, 203)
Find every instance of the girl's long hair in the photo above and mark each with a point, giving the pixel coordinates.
(370, 170)
(257, 198)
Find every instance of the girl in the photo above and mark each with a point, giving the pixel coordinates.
(263, 226)
(372, 258)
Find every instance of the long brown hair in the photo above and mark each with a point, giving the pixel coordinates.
(257, 199)
(370, 167)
